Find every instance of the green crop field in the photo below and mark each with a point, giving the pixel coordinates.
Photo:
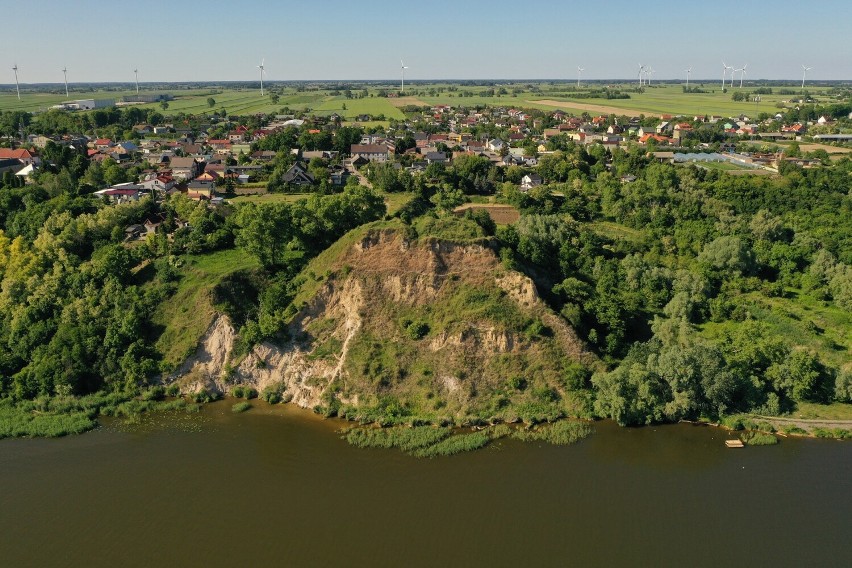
(192, 101)
(656, 99)
(663, 99)
(354, 107)
(670, 99)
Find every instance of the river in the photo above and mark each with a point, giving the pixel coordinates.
(277, 487)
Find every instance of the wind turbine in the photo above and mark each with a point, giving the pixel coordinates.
(649, 72)
(641, 69)
(579, 70)
(262, 71)
(17, 88)
(725, 68)
(402, 68)
(688, 71)
(742, 75)
(136, 72)
(804, 72)
(65, 72)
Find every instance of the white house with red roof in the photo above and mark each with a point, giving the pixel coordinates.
(26, 157)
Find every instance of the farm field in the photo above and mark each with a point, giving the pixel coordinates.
(234, 101)
(670, 99)
(371, 105)
(834, 152)
(500, 214)
(657, 99)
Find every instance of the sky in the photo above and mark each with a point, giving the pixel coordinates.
(460, 39)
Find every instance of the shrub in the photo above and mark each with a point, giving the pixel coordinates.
(563, 432)
(173, 390)
(177, 404)
(454, 445)
(154, 393)
(203, 396)
(758, 439)
(836, 433)
(241, 406)
(21, 420)
(536, 329)
(405, 439)
(271, 395)
(415, 329)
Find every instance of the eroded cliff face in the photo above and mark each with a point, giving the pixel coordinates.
(351, 343)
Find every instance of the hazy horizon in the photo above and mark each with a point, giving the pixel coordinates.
(474, 40)
(395, 80)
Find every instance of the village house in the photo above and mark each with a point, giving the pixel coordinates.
(298, 175)
(22, 155)
(530, 181)
(370, 152)
(495, 145)
(158, 182)
(185, 168)
(436, 157)
(262, 156)
(201, 190)
(121, 193)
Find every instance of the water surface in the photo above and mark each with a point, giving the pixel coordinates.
(273, 487)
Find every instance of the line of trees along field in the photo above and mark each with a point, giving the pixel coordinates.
(662, 276)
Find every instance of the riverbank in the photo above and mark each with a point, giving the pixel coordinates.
(62, 416)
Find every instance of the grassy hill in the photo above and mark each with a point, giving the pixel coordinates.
(184, 316)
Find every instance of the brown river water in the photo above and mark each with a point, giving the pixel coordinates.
(277, 487)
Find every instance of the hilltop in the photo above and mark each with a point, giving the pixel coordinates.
(391, 326)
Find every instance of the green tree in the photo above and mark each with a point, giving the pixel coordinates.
(264, 230)
(802, 377)
(211, 102)
(446, 199)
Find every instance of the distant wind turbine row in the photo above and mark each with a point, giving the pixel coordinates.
(645, 72)
(742, 71)
(643, 76)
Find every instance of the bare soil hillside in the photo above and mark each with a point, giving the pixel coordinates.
(402, 329)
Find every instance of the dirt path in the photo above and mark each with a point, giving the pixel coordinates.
(600, 109)
(362, 179)
(807, 424)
